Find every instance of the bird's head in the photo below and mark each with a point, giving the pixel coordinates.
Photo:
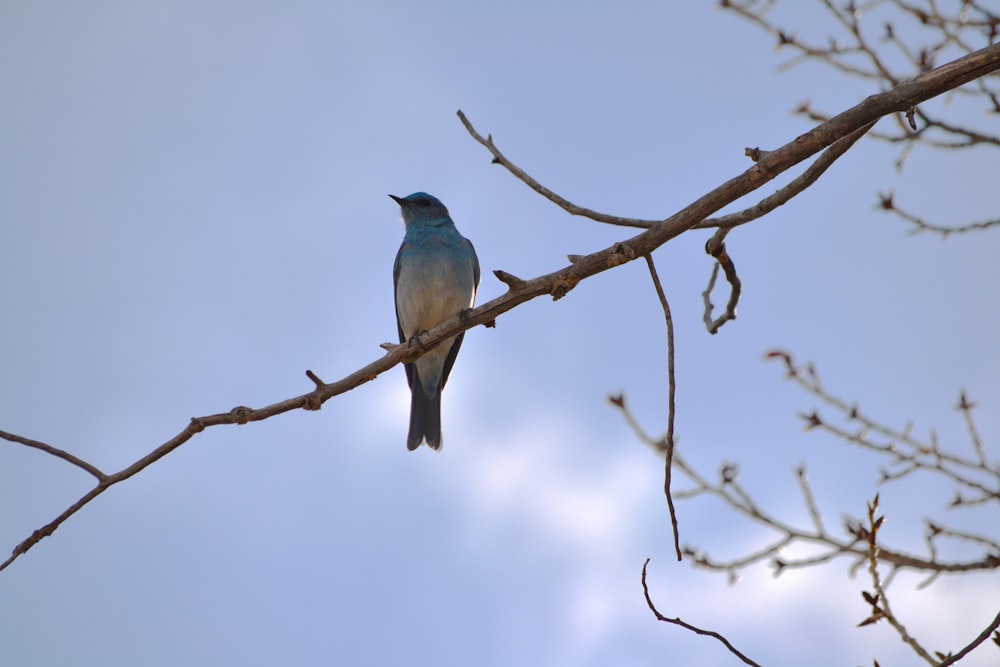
(421, 208)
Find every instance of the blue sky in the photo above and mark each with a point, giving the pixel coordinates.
(194, 211)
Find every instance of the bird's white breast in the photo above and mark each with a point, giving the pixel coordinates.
(431, 290)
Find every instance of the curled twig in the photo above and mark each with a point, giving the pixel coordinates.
(716, 247)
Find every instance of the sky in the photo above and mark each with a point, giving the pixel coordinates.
(193, 212)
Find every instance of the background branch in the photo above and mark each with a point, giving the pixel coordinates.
(881, 608)
(936, 30)
(970, 473)
(793, 188)
(887, 203)
(687, 626)
(901, 98)
(853, 543)
(668, 441)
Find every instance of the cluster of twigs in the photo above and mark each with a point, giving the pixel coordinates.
(976, 480)
(882, 611)
(885, 42)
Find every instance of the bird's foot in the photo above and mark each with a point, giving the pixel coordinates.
(414, 348)
(416, 342)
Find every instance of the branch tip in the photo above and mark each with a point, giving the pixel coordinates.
(315, 378)
(509, 279)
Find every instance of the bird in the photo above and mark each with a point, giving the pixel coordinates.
(435, 277)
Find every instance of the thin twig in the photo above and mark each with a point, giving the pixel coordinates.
(971, 646)
(874, 523)
(716, 247)
(886, 202)
(802, 476)
(793, 188)
(965, 406)
(688, 626)
(671, 402)
(558, 200)
(706, 297)
(55, 451)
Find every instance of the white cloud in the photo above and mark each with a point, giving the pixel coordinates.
(587, 510)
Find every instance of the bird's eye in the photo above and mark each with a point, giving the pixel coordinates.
(423, 203)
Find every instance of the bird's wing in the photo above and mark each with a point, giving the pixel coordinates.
(395, 299)
(449, 361)
(475, 268)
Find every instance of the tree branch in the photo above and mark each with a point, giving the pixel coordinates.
(971, 646)
(54, 451)
(794, 187)
(880, 601)
(851, 52)
(716, 247)
(899, 99)
(887, 203)
(853, 545)
(688, 626)
(556, 284)
(668, 441)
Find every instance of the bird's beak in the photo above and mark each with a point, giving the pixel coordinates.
(398, 200)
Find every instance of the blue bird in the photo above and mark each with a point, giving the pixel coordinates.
(435, 276)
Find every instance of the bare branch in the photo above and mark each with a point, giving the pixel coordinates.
(717, 249)
(880, 601)
(669, 442)
(565, 204)
(706, 297)
(965, 406)
(900, 446)
(971, 646)
(851, 52)
(853, 544)
(904, 96)
(887, 203)
(556, 284)
(810, 500)
(688, 626)
(794, 187)
(934, 531)
(54, 451)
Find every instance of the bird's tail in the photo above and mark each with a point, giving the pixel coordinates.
(425, 419)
